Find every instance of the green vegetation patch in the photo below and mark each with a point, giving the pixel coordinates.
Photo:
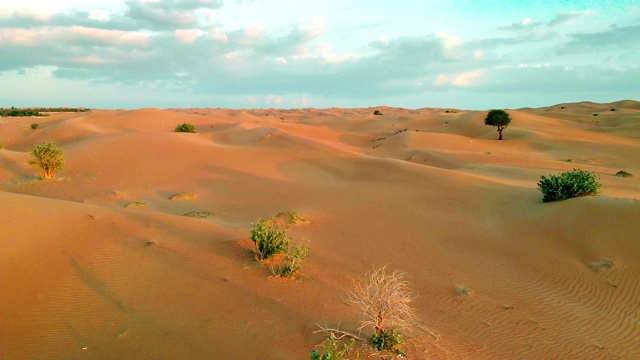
(568, 185)
(199, 214)
(183, 196)
(135, 204)
(185, 128)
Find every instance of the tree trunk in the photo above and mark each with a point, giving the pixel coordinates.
(500, 132)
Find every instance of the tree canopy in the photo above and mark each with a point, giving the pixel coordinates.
(498, 118)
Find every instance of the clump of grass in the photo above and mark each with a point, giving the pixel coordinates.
(185, 128)
(462, 290)
(601, 265)
(623, 173)
(291, 218)
(183, 196)
(568, 185)
(199, 214)
(135, 204)
(34, 125)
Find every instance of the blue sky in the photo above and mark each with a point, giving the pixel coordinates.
(470, 54)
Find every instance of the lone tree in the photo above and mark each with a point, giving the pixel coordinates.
(498, 118)
(47, 157)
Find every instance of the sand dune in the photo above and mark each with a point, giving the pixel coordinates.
(427, 191)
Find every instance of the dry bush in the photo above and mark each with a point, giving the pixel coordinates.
(384, 300)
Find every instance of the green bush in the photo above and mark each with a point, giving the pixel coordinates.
(47, 157)
(270, 239)
(293, 257)
(386, 340)
(34, 126)
(330, 350)
(185, 127)
(568, 185)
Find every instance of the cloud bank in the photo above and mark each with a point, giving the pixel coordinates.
(180, 51)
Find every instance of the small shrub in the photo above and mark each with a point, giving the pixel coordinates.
(613, 109)
(330, 350)
(34, 126)
(135, 204)
(623, 173)
(269, 238)
(601, 264)
(377, 112)
(185, 128)
(183, 196)
(386, 340)
(595, 114)
(462, 290)
(568, 185)
(47, 157)
(293, 257)
(199, 214)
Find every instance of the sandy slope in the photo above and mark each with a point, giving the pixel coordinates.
(426, 191)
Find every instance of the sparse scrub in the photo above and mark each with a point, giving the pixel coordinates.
(567, 185)
(47, 157)
(623, 173)
(385, 303)
(330, 350)
(34, 125)
(462, 290)
(185, 128)
(377, 112)
(293, 257)
(291, 218)
(199, 214)
(269, 238)
(498, 118)
(601, 265)
(135, 204)
(183, 196)
(387, 340)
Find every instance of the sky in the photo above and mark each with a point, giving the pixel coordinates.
(466, 54)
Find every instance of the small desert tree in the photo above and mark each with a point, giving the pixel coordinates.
(385, 303)
(498, 118)
(47, 157)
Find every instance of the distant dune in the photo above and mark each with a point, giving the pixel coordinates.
(428, 191)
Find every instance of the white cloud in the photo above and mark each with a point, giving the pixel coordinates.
(464, 79)
(188, 36)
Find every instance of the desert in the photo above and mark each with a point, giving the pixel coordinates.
(431, 192)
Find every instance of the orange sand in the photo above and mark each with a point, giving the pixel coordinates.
(444, 201)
